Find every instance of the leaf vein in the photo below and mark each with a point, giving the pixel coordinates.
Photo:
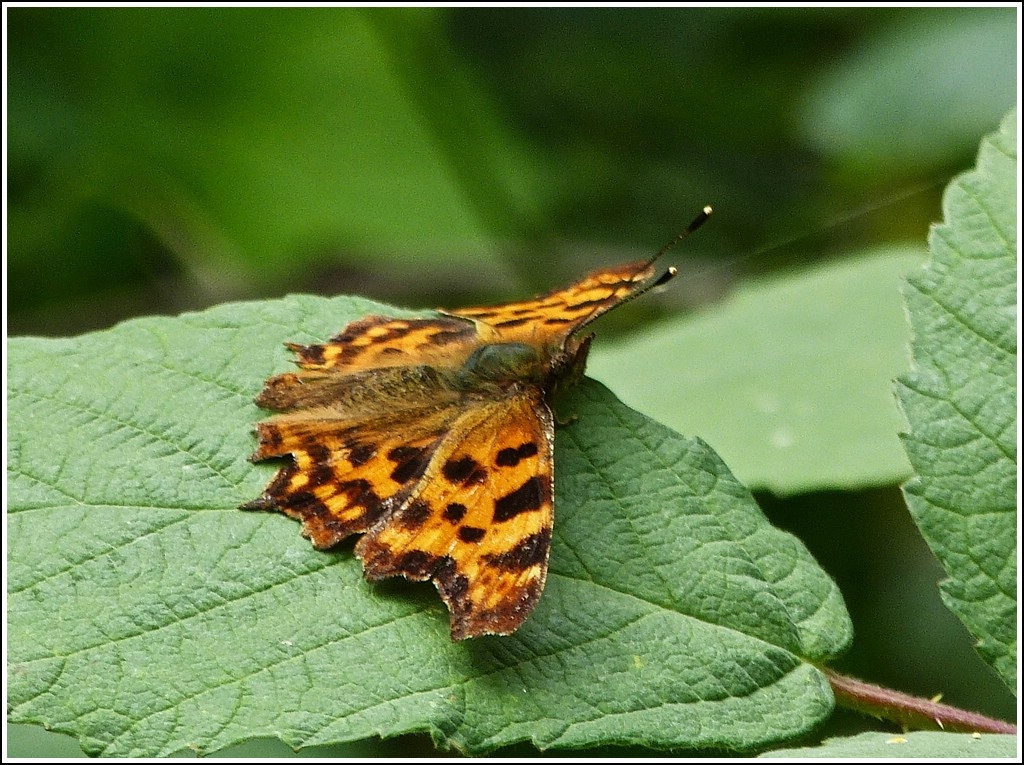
(132, 427)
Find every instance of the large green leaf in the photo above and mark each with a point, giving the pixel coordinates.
(960, 399)
(147, 614)
(790, 380)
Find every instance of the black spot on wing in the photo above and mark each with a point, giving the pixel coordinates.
(360, 454)
(360, 492)
(514, 322)
(455, 512)
(528, 497)
(279, 485)
(444, 337)
(409, 463)
(417, 564)
(529, 552)
(510, 457)
(383, 331)
(415, 514)
(308, 354)
(320, 474)
(471, 533)
(464, 471)
(303, 502)
(589, 305)
(320, 524)
(318, 452)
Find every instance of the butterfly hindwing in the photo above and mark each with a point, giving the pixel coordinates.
(479, 522)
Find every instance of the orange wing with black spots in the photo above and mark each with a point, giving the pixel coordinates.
(346, 476)
(479, 521)
(550, 319)
(434, 439)
(381, 341)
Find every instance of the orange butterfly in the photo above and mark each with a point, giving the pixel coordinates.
(434, 438)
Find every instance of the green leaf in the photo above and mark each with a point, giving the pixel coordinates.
(919, 745)
(147, 614)
(790, 380)
(960, 399)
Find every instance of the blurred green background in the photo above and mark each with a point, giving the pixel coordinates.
(162, 160)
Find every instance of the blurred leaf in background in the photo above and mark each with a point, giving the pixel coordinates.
(161, 159)
(169, 158)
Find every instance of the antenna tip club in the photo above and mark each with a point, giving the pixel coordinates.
(669, 273)
(699, 220)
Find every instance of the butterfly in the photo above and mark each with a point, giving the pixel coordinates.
(434, 439)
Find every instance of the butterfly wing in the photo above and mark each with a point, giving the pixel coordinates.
(361, 418)
(383, 341)
(343, 476)
(479, 521)
(357, 440)
(548, 320)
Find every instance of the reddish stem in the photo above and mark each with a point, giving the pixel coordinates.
(908, 711)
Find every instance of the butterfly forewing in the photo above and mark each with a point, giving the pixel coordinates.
(549, 319)
(344, 478)
(382, 341)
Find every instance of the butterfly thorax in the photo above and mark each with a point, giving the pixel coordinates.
(507, 365)
(501, 364)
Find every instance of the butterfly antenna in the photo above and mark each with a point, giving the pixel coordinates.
(640, 288)
(695, 224)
